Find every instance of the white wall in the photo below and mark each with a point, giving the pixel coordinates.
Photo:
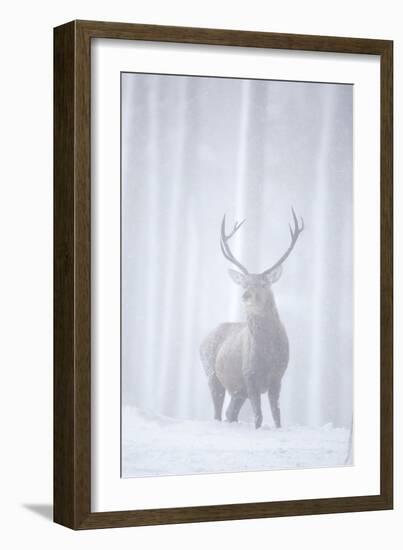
(26, 279)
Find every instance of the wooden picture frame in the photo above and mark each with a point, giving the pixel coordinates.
(72, 271)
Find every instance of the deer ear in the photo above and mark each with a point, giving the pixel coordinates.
(274, 275)
(238, 278)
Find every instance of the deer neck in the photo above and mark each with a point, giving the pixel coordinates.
(261, 323)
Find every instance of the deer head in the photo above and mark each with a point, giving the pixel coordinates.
(257, 286)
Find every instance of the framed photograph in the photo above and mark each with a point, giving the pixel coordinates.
(222, 275)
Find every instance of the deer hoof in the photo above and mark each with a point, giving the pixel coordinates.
(258, 422)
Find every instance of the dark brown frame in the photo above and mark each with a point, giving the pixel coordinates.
(72, 291)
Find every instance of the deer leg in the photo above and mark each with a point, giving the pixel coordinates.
(217, 393)
(254, 397)
(274, 394)
(232, 412)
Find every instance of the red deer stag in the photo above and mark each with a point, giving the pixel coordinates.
(249, 359)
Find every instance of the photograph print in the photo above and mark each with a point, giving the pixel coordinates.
(236, 275)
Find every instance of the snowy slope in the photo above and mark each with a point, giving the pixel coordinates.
(155, 446)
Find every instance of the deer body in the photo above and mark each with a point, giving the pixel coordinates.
(249, 359)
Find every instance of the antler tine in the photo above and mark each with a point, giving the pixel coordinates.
(294, 232)
(237, 225)
(225, 247)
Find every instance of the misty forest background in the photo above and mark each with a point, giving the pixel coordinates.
(194, 148)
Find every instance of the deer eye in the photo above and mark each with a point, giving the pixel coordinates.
(246, 295)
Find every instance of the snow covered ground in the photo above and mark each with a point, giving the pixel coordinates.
(157, 446)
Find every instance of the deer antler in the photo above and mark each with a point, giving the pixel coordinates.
(294, 237)
(225, 247)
